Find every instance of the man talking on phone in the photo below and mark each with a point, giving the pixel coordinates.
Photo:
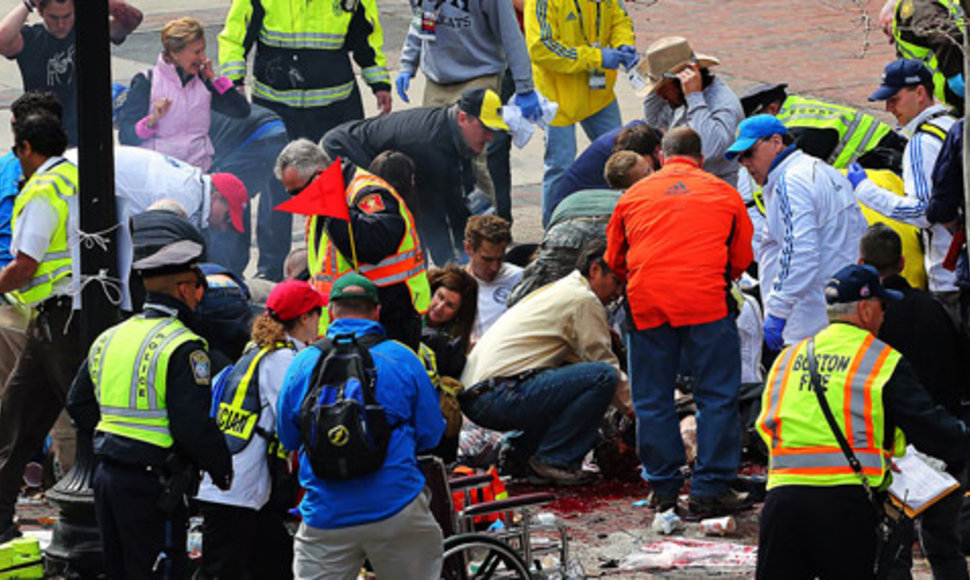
(680, 89)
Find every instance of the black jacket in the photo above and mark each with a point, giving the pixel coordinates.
(921, 330)
(187, 399)
(431, 137)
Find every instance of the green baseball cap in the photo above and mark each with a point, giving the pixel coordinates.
(354, 286)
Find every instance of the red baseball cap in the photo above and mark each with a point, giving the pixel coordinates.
(289, 299)
(235, 193)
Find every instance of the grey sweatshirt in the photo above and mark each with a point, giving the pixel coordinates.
(473, 38)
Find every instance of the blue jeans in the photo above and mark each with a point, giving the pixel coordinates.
(253, 165)
(558, 411)
(561, 147)
(714, 357)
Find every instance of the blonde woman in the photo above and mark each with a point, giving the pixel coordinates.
(167, 108)
(243, 529)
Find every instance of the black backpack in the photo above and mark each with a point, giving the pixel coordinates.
(345, 431)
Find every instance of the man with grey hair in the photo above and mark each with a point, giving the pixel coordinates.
(873, 397)
(383, 240)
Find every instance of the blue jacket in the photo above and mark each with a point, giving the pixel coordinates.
(410, 400)
(10, 173)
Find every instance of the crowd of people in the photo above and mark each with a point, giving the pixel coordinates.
(802, 248)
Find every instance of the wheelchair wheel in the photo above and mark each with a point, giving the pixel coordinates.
(480, 556)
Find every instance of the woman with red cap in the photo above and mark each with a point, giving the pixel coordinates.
(243, 529)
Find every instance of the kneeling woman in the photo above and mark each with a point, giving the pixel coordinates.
(243, 533)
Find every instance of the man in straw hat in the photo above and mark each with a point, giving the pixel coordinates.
(680, 90)
(576, 48)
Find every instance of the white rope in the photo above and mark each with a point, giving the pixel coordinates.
(98, 239)
(110, 285)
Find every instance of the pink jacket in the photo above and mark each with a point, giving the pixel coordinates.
(183, 132)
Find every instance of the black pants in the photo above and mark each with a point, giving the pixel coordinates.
(35, 393)
(817, 532)
(314, 122)
(241, 543)
(940, 538)
(140, 541)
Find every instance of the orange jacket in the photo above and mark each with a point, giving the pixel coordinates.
(678, 238)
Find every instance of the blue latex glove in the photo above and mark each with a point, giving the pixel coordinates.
(403, 82)
(632, 58)
(957, 84)
(612, 58)
(856, 174)
(528, 103)
(773, 329)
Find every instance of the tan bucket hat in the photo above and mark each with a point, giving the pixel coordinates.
(668, 56)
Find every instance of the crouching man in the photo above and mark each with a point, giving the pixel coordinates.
(545, 370)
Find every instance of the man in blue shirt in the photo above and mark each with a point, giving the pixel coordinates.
(382, 516)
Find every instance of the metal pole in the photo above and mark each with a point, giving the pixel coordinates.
(965, 4)
(75, 547)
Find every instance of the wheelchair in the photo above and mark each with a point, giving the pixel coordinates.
(514, 551)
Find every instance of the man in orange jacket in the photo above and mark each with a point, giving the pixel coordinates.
(679, 237)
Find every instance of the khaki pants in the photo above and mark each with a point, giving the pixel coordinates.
(436, 95)
(406, 546)
(12, 343)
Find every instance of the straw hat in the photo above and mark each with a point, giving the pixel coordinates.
(668, 55)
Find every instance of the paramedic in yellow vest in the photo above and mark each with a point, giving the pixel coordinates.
(834, 133)
(930, 31)
(302, 70)
(385, 237)
(817, 520)
(42, 274)
(144, 392)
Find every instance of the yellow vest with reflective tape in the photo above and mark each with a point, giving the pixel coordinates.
(56, 185)
(858, 132)
(407, 265)
(854, 367)
(925, 54)
(302, 25)
(128, 364)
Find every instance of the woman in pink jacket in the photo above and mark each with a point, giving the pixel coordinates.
(167, 108)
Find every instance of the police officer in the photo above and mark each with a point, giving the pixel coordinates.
(144, 390)
(41, 275)
(385, 239)
(817, 520)
(836, 134)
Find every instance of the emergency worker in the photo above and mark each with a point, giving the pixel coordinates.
(243, 527)
(302, 69)
(43, 274)
(875, 398)
(385, 238)
(144, 391)
(836, 134)
(930, 31)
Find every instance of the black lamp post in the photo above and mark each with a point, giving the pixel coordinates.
(75, 549)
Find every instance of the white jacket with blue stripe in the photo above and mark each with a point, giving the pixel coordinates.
(812, 229)
(918, 161)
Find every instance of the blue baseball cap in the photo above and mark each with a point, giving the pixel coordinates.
(899, 74)
(751, 130)
(857, 282)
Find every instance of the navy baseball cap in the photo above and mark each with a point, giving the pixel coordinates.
(751, 130)
(857, 282)
(900, 74)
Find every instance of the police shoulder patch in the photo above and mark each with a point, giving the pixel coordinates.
(371, 204)
(906, 9)
(201, 369)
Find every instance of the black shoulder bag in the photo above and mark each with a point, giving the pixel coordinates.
(890, 520)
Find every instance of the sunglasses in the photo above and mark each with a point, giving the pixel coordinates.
(299, 190)
(747, 154)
